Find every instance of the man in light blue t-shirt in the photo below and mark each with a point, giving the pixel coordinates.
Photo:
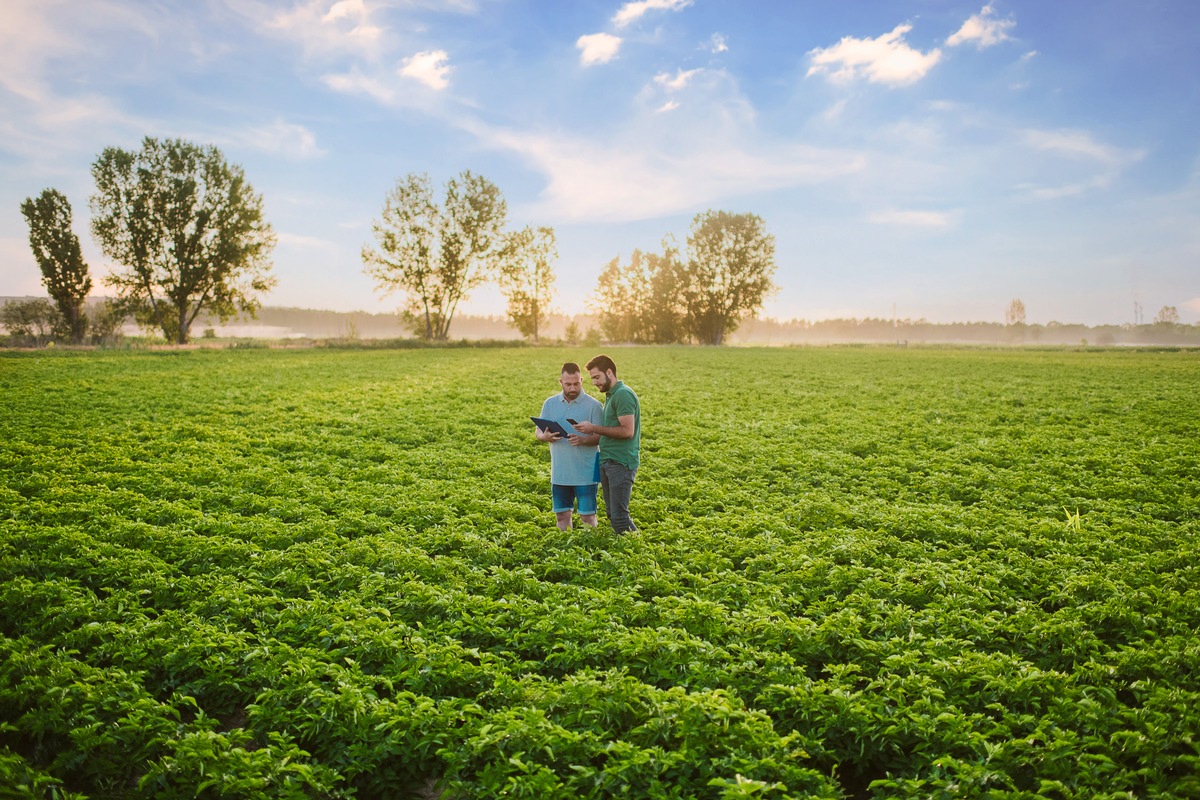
(573, 471)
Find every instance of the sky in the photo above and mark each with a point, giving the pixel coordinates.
(913, 159)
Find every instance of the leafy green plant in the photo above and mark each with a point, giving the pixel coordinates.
(324, 573)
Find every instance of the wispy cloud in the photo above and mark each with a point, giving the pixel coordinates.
(914, 219)
(1105, 161)
(670, 105)
(717, 44)
(48, 53)
(27, 38)
(835, 111)
(1079, 144)
(597, 48)
(35, 34)
(1066, 190)
(982, 30)
(622, 180)
(299, 240)
(355, 82)
(633, 11)
(430, 68)
(886, 59)
(281, 138)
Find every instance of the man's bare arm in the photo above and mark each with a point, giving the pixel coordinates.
(626, 427)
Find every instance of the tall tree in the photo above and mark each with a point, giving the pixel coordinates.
(663, 313)
(527, 277)
(1015, 315)
(641, 301)
(187, 227)
(620, 299)
(56, 248)
(437, 255)
(1167, 317)
(731, 260)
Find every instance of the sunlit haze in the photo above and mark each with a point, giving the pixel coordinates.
(914, 158)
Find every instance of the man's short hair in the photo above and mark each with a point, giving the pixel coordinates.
(570, 368)
(602, 363)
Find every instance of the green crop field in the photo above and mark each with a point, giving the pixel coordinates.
(860, 573)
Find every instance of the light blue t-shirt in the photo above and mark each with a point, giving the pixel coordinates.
(569, 465)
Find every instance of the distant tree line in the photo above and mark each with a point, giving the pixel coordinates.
(436, 253)
(902, 332)
(188, 234)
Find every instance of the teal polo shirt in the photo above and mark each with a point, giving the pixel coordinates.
(620, 401)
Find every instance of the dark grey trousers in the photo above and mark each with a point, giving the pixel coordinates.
(617, 482)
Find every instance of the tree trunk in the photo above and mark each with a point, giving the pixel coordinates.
(77, 322)
(184, 326)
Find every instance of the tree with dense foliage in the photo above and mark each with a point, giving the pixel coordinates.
(56, 249)
(641, 301)
(189, 230)
(731, 259)
(619, 298)
(1167, 317)
(437, 255)
(663, 313)
(105, 321)
(30, 322)
(527, 277)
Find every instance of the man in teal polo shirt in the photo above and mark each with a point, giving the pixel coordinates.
(620, 441)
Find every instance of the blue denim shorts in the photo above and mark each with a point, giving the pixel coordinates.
(565, 497)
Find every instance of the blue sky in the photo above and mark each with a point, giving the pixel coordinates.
(923, 158)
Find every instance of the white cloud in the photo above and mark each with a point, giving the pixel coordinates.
(324, 28)
(633, 11)
(429, 68)
(597, 48)
(982, 30)
(679, 81)
(670, 105)
(397, 88)
(346, 8)
(1193, 304)
(913, 219)
(887, 59)
(718, 43)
